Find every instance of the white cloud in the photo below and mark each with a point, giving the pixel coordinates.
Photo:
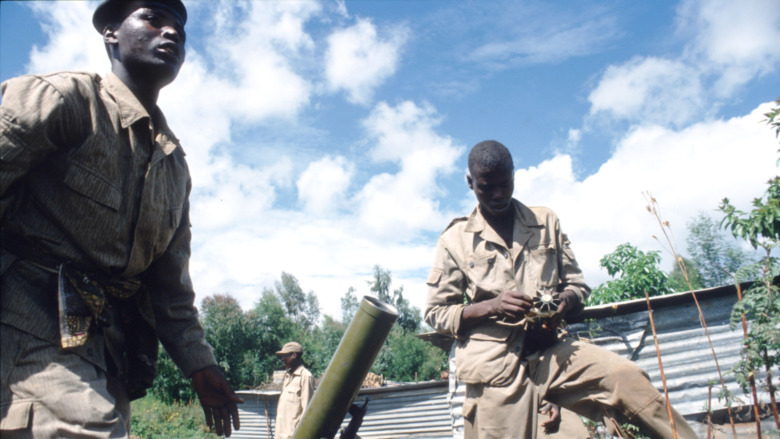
(736, 41)
(236, 195)
(358, 61)
(687, 171)
(728, 44)
(253, 55)
(73, 43)
(405, 203)
(322, 186)
(649, 90)
(546, 40)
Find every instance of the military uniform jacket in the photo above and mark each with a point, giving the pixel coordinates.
(473, 264)
(90, 178)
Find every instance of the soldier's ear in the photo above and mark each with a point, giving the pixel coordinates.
(470, 181)
(109, 34)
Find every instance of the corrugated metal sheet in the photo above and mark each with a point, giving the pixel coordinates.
(406, 411)
(257, 414)
(686, 355)
(401, 411)
(433, 409)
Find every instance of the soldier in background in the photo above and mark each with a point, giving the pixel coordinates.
(297, 390)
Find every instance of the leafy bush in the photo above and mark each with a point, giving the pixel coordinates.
(170, 385)
(634, 272)
(153, 419)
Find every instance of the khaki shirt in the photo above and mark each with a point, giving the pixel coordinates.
(89, 177)
(297, 390)
(473, 264)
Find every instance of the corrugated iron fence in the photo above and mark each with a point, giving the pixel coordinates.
(402, 411)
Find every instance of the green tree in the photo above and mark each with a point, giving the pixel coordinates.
(269, 326)
(170, 385)
(635, 272)
(677, 279)
(405, 357)
(321, 344)
(761, 228)
(225, 326)
(712, 253)
(409, 317)
(302, 308)
(349, 305)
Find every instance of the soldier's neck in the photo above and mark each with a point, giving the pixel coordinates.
(504, 225)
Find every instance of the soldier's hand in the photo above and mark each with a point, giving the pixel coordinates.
(549, 324)
(217, 399)
(512, 305)
(553, 423)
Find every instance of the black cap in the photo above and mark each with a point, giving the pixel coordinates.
(111, 10)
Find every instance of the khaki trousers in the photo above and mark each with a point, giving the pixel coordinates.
(48, 392)
(586, 379)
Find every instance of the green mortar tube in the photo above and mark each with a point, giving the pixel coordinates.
(347, 369)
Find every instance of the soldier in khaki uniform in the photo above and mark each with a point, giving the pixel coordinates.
(487, 269)
(297, 390)
(95, 239)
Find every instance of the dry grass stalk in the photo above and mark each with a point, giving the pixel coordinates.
(709, 411)
(654, 210)
(660, 365)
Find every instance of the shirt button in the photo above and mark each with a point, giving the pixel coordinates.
(471, 264)
(506, 255)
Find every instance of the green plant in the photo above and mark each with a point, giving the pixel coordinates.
(170, 385)
(635, 272)
(154, 419)
(760, 304)
(597, 430)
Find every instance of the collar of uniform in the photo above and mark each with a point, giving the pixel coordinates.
(477, 223)
(170, 142)
(131, 111)
(524, 220)
(297, 371)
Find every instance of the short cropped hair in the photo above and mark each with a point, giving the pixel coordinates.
(489, 155)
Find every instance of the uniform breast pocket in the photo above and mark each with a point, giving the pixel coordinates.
(90, 184)
(483, 271)
(544, 264)
(293, 396)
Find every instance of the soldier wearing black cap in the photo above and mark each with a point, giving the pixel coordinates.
(95, 229)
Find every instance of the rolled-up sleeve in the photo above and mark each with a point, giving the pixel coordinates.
(446, 289)
(173, 300)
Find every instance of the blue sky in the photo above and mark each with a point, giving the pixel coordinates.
(328, 137)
